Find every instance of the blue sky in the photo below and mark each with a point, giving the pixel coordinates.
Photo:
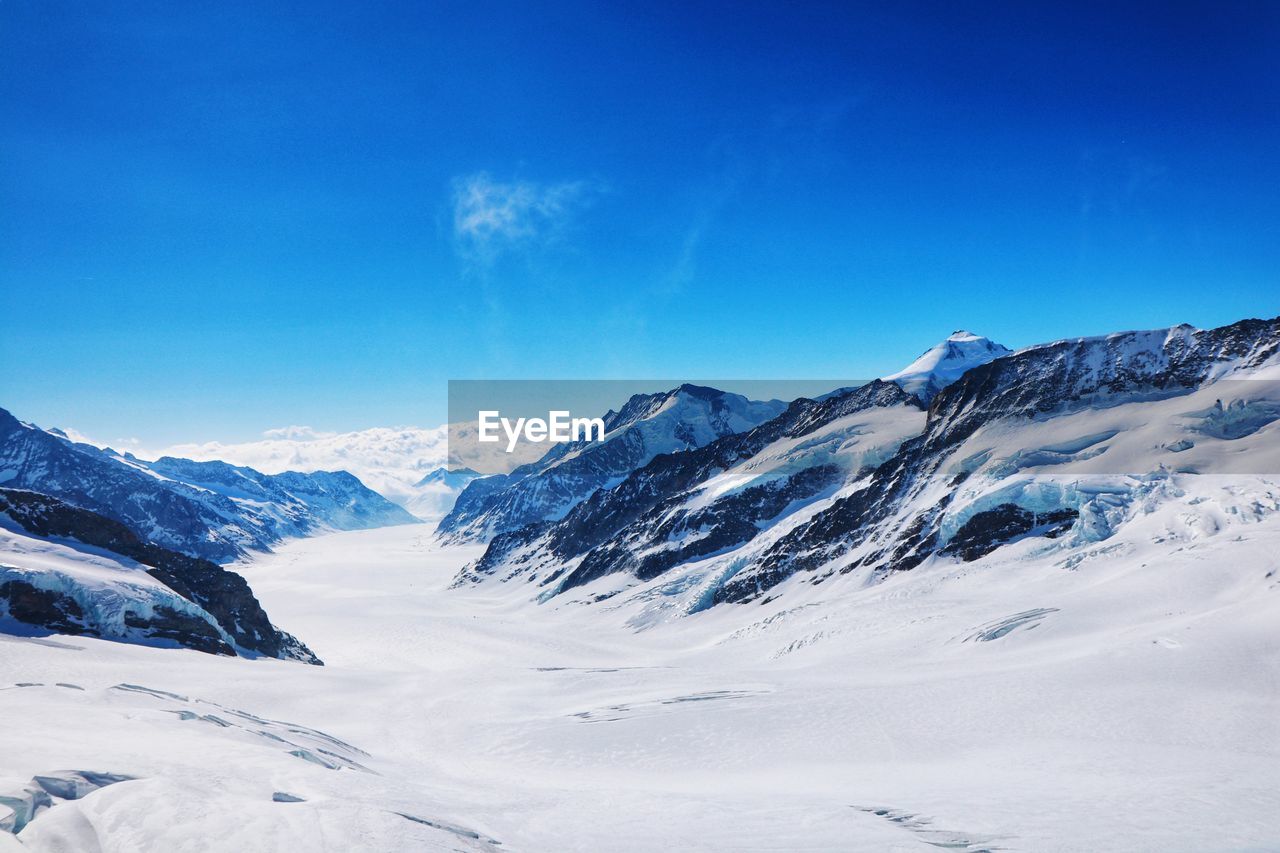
(223, 218)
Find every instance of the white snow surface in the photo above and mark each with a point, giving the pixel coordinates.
(854, 442)
(945, 362)
(1123, 696)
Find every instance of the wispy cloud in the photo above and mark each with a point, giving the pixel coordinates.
(491, 217)
(296, 433)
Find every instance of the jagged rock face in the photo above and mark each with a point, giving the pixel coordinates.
(222, 594)
(54, 603)
(206, 509)
(1092, 371)
(42, 607)
(687, 417)
(166, 623)
(700, 533)
(986, 531)
(1053, 378)
(651, 521)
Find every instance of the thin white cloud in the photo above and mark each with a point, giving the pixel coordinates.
(79, 437)
(132, 445)
(299, 433)
(491, 216)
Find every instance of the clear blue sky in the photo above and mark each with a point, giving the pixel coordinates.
(220, 218)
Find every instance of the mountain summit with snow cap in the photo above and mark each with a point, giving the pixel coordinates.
(945, 362)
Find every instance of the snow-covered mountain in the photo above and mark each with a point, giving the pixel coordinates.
(945, 362)
(396, 462)
(213, 510)
(456, 479)
(1063, 443)
(435, 494)
(1073, 437)
(69, 571)
(689, 416)
(689, 505)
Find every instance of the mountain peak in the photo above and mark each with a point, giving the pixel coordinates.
(702, 392)
(945, 362)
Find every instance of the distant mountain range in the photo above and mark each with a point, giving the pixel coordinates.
(402, 464)
(213, 510)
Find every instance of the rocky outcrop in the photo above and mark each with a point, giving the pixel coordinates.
(986, 531)
(224, 595)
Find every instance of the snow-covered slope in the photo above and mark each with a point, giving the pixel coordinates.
(1042, 413)
(945, 362)
(208, 509)
(688, 505)
(1056, 442)
(686, 417)
(67, 570)
(1045, 620)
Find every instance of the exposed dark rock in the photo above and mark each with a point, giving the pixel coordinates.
(186, 630)
(711, 530)
(986, 531)
(60, 613)
(43, 608)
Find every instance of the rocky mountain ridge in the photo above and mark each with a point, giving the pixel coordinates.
(211, 510)
(1060, 443)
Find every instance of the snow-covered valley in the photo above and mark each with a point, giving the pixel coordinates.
(1126, 700)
